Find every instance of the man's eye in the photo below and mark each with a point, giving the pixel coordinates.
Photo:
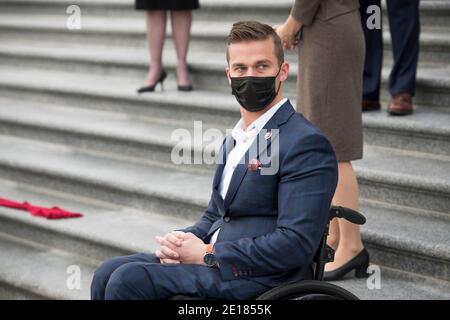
(262, 66)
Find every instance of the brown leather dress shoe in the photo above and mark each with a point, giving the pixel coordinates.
(370, 105)
(401, 105)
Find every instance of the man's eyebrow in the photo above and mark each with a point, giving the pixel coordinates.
(238, 64)
(263, 61)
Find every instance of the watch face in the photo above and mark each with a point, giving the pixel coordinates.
(210, 259)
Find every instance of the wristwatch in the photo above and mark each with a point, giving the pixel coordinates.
(210, 258)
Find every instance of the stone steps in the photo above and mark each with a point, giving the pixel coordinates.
(155, 188)
(16, 280)
(51, 283)
(88, 241)
(206, 35)
(74, 133)
(397, 285)
(98, 235)
(433, 80)
(433, 12)
(162, 191)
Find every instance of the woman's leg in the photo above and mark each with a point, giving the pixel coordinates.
(156, 32)
(181, 28)
(346, 195)
(333, 234)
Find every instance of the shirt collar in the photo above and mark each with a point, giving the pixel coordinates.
(256, 126)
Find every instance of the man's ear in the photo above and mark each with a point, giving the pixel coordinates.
(284, 72)
(227, 71)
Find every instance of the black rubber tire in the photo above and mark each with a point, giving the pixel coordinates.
(308, 290)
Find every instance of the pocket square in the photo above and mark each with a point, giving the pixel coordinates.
(254, 165)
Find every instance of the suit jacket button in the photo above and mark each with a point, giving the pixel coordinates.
(226, 218)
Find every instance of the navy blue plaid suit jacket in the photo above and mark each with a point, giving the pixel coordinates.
(271, 224)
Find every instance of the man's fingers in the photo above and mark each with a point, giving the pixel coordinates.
(170, 261)
(160, 255)
(176, 241)
(169, 252)
(164, 258)
(179, 234)
(164, 242)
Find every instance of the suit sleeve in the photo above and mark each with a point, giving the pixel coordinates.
(202, 226)
(308, 178)
(304, 11)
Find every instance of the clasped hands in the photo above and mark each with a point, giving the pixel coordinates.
(180, 247)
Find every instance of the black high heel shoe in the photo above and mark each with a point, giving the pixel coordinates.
(359, 263)
(185, 88)
(151, 88)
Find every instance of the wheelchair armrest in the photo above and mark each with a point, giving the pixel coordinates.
(348, 214)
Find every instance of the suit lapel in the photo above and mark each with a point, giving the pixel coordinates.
(281, 116)
(225, 149)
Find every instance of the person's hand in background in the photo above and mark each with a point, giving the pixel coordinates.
(288, 32)
(169, 245)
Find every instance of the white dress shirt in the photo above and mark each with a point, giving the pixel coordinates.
(244, 139)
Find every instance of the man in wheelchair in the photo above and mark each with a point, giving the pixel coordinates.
(270, 203)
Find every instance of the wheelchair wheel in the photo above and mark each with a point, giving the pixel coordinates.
(308, 290)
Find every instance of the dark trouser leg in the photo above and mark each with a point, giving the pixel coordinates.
(103, 273)
(374, 54)
(405, 28)
(154, 281)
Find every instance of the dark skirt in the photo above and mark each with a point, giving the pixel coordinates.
(150, 5)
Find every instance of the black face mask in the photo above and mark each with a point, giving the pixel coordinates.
(254, 93)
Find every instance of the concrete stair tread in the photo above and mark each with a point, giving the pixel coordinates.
(430, 74)
(115, 87)
(130, 25)
(403, 229)
(138, 56)
(429, 37)
(69, 163)
(120, 55)
(397, 285)
(424, 120)
(91, 123)
(41, 270)
(118, 228)
(98, 24)
(429, 122)
(207, 3)
(128, 3)
(405, 168)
